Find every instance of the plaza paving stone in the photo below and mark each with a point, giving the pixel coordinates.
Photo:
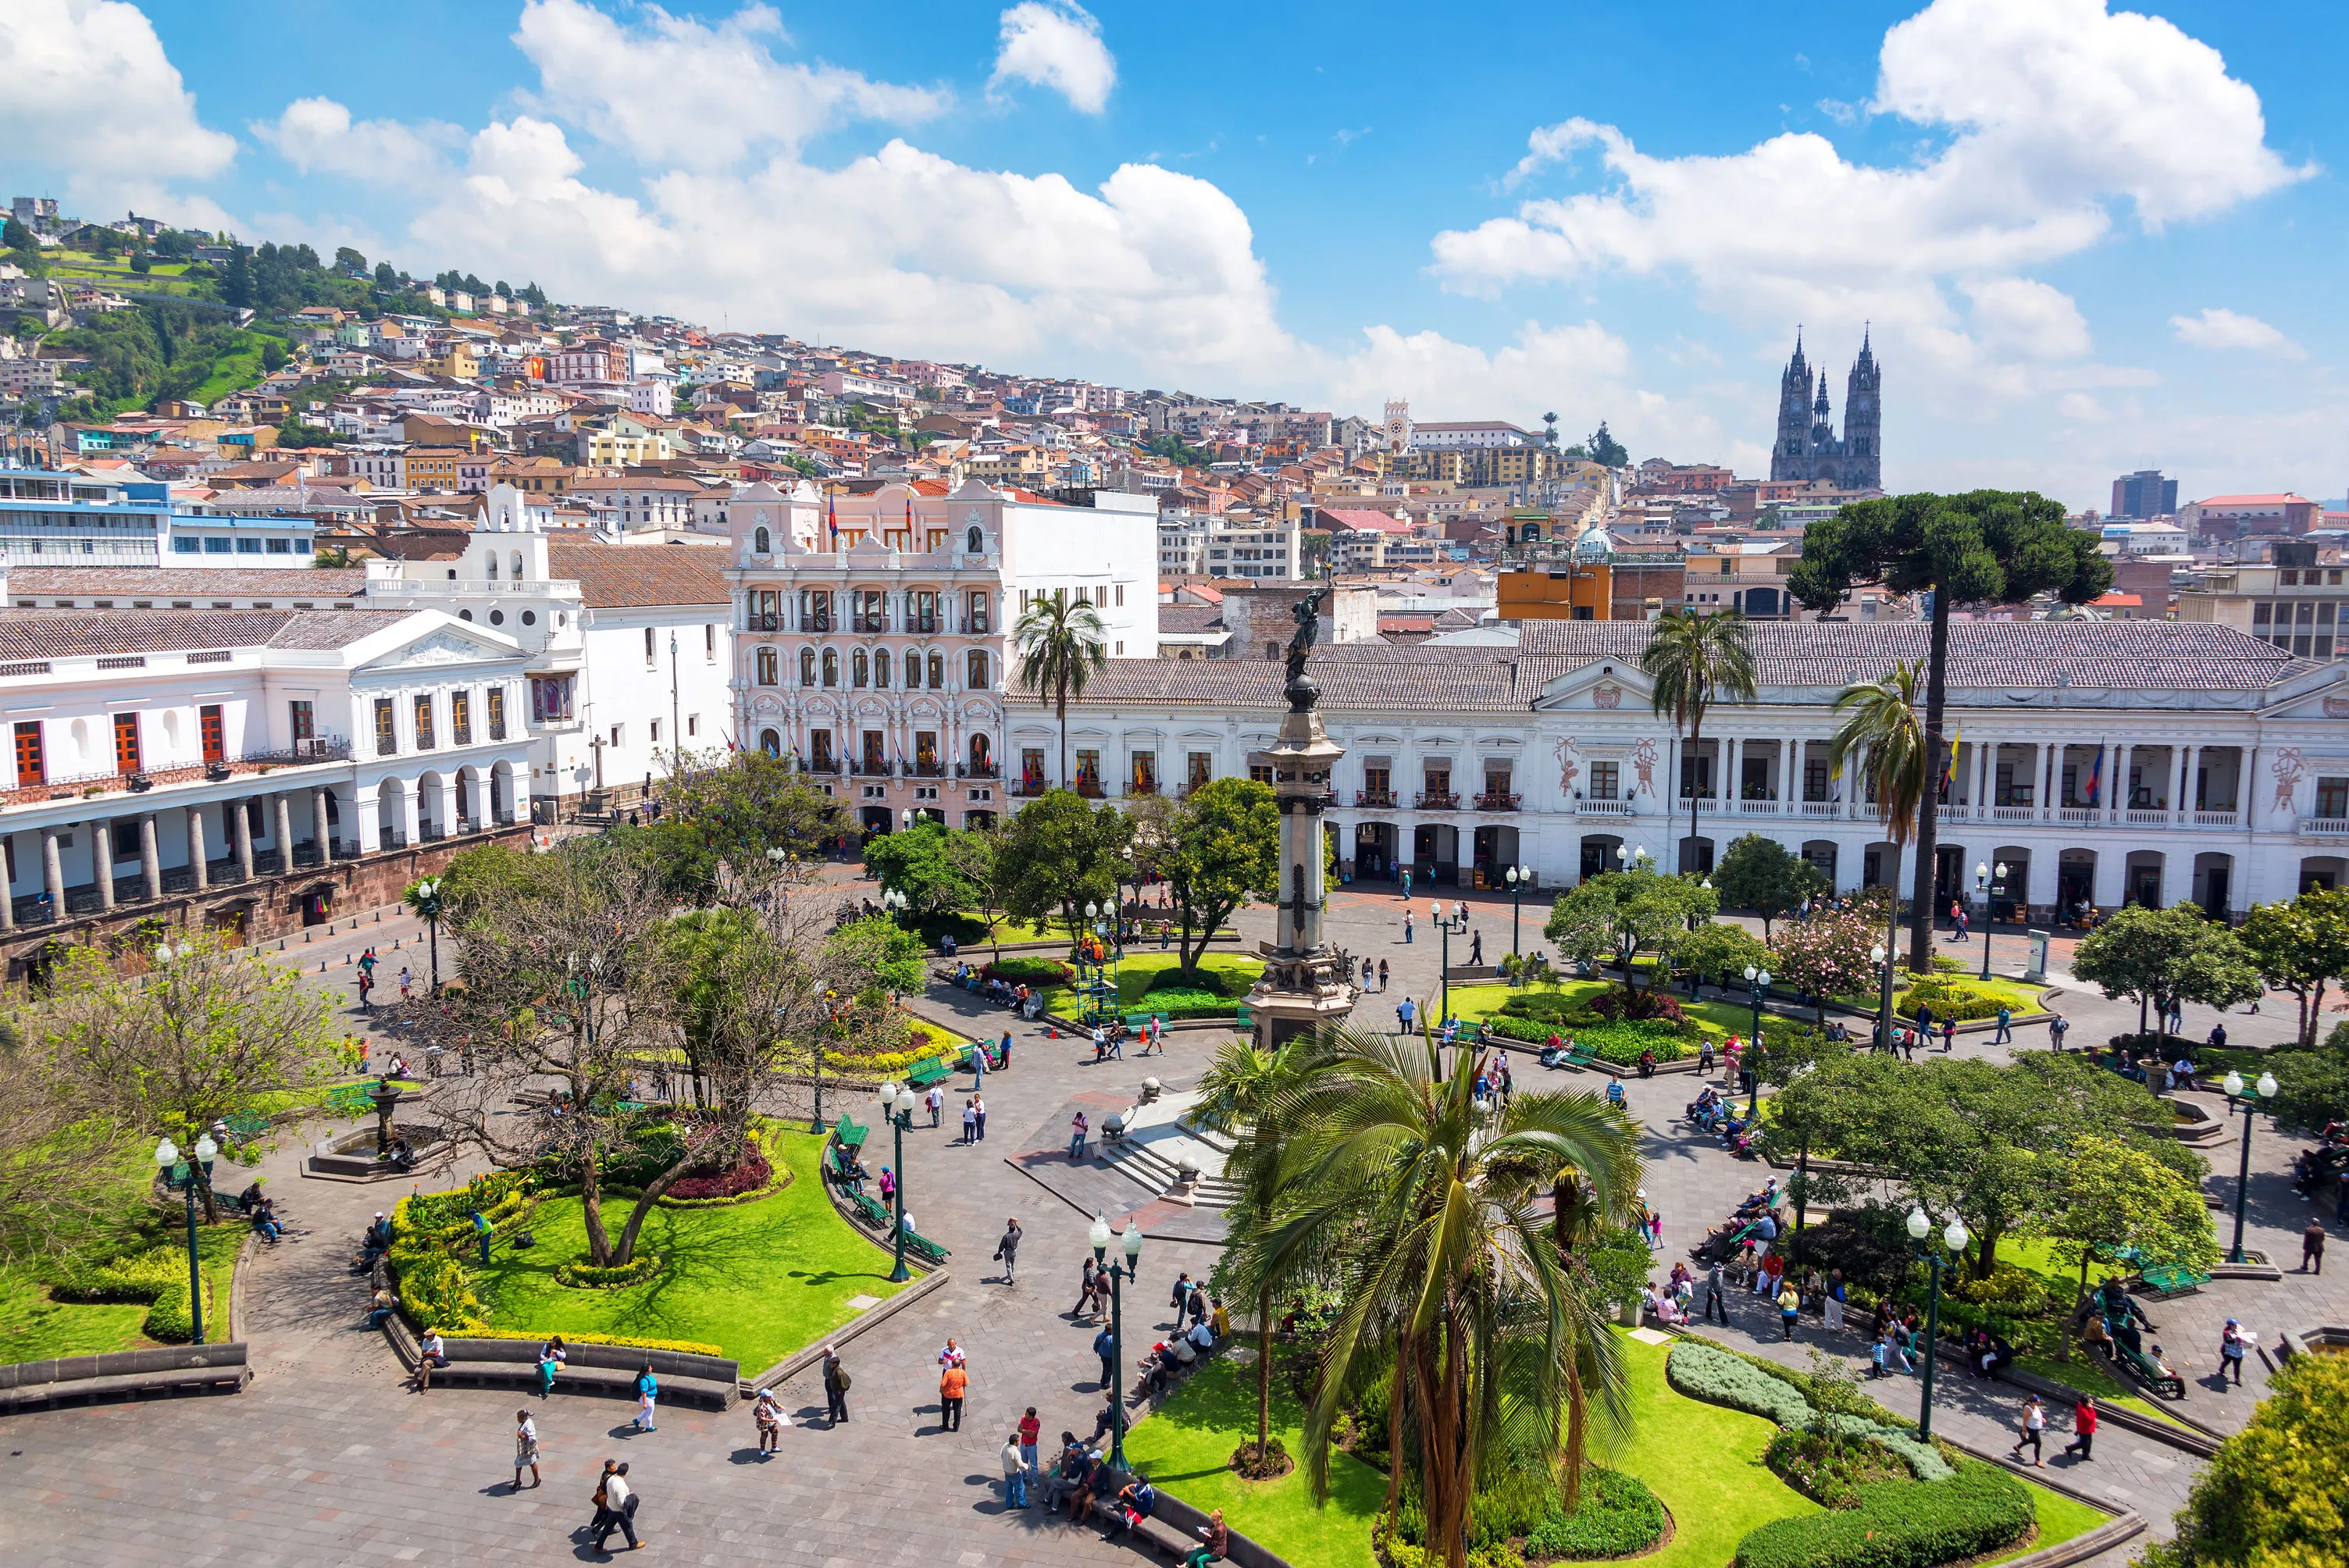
(328, 1457)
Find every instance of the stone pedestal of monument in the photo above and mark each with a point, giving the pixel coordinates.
(1307, 983)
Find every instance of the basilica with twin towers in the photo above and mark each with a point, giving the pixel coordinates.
(1807, 447)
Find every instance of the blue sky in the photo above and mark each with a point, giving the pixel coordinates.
(2089, 240)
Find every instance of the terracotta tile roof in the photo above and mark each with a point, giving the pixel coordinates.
(1360, 521)
(612, 576)
(68, 633)
(1189, 618)
(187, 582)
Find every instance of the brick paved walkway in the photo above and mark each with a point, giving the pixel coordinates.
(328, 1459)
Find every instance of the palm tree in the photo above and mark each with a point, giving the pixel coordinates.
(1882, 721)
(1426, 1207)
(1060, 642)
(1695, 660)
(1237, 1100)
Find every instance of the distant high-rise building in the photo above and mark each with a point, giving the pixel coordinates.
(2144, 494)
(1807, 447)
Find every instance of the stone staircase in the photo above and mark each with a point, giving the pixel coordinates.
(1159, 1141)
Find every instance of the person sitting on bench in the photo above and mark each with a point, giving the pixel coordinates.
(1135, 1502)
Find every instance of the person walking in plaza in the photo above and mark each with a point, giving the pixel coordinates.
(1015, 1474)
(1089, 1291)
(2232, 1342)
(405, 981)
(1712, 1297)
(2311, 1248)
(953, 1380)
(2084, 1428)
(1383, 973)
(525, 1448)
(2035, 1423)
(1790, 1307)
(970, 1121)
(1105, 1347)
(1403, 1015)
(937, 1102)
(1406, 894)
(767, 1416)
(1406, 924)
(619, 1509)
(367, 983)
(1006, 1251)
(1078, 1128)
(836, 1387)
(979, 1114)
(2005, 1025)
(1476, 950)
(647, 1396)
(2058, 1025)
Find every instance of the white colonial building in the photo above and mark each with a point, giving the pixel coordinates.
(2098, 762)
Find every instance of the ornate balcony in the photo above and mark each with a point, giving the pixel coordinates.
(1375, 799)
(86, 786)
(1437, 800)
(1602, 807)
(1499, 800)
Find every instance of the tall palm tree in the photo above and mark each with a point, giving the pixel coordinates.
(1696, 660)
(1060, 643)
(1239, 1100)
(1427, 1207)
(1882, 722)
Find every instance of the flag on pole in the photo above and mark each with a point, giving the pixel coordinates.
(1951, 776)
(2097, 778)
(831, 515)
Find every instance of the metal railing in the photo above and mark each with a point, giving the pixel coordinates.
(139, 781)
(926, 771)
(1375, 799)
(1499, 800)
(871, 770)
(975, 770)
(1437, 800)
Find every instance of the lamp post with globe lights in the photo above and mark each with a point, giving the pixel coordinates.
(2238, 1101)
(897, 1109)
(199, 1169)
(1882, 958)
(1757, 986)
(1448, 924)
(1983, 875)
(1519, 878)
(1131, 1243)
(1955, 1238)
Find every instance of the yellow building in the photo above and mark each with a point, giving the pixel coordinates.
(1577, 591)
(458, 364)
(621, 449)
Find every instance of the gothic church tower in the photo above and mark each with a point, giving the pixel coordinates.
(1863, 415)
(1807, 447)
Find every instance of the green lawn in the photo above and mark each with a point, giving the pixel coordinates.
(1703, 1461)
(231, 373)
(1138, 970)
(1186, 1448)
(2060, 1518)
(1480, 1000)
(761, 1279)
(33, 1328)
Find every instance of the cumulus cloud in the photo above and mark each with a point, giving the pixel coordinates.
(2055, 117)
(90, 94)
(2219, 327)
(678, 91)
(1056, 46)
(317, 135)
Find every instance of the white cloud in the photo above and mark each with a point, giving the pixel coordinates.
(319, 135)
(2219, 327)
(1057, 45)
(89, 94)
(2052, 112)
(678, 91)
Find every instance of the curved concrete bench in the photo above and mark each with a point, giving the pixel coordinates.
(708, 1382)
(172, 1369)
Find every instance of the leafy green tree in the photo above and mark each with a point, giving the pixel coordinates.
(1060, 643)
(1620, 915)
(977, 854)
(920, 863)
(2165, 955)
(1602, 448)
(1059, 854)
(2108, 1195)
(1764, 876)
(2276, 1494)
(236, 279)
(273, 354)
(1693, 661)
(62, 1158)
(1983, 547)
(17, 237)
(2300, 947)
(884, 954)
(1882, 726)
(347, 259)
(1222, 848)
(1721, 950)
(1457, 1302)
(385, 277)
(2312, 1086)
(535, 295)
(1239, 1100)
(744, 803)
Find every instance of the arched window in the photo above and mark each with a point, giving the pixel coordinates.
(981, 755)
(975, 670)
(881, 669)
(859, 669)
(974, 542)
(937, 672)
(807, 666)
(761, 542)
(771, 743)
(493, 565)
(516, 574)
(831, 667)
(913, 669)
(769, 668)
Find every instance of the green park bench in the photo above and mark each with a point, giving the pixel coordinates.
(837, 1163)
(2168, 1279)
(1135, 1023)
(1243, 1018)
(934, 1071)
(2148, 1372)
(872, 1210)
(922, 1247)
(849, 1135)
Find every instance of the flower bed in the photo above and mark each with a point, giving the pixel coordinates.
(748, 1172)
(580, 1274)
(1829, 1468)
(1619, 1517)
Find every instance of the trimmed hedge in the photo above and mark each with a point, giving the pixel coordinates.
(1047, 972)
(1618, 1516)
(1901, 1524)
(1717, 1377)
(1950, 998)
(158, 1277)
(582, 1276)
(682, 1347)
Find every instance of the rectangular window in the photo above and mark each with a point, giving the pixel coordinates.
(32, 757)
(126, 743)
(1261, 772)
(1814, 778)
(181, 544)
(975, 670)
(655, 732)
(248, 546)
(874, 756)
(2261, 614)
(125, 840)
(1121, 594)
(208, 725)
(820, 747)
(692, 725)
(281, 547)
(300, 719)
(1031, 768)
(615, 734)
(650, 657)
(2333, 797)
(978, 612)
(1089, 780)
(1201, 769)
(710, 643)
(387, 728)
(925, 753)
(218, 546)
(1144, 780)
(1605, 780)
(550, 698)
(497, 713)
(424, 741)
(460, 719)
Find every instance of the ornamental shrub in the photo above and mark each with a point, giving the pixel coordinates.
(158, 1277)
(1901, 1524)
(1045, 972)
(580, 1274)
(746, 1172)
(2273, 1493)
(1617, 1002)
(682, 1347)
(1829, 1466)
(1717, 1377)
(1618, 1516)
(1950, 998)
